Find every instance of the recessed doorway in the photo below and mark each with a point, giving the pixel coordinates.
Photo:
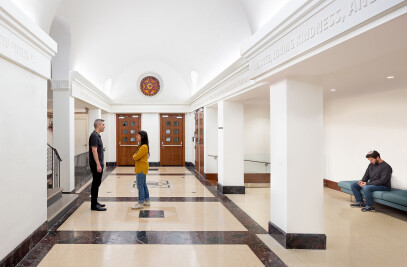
(172, 145)
(127, 126)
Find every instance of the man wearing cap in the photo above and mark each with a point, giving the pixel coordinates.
(377, 178)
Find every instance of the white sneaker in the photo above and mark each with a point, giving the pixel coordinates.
(147, 203)
(137, 206)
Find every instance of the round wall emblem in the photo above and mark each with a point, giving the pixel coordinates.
(150, 86)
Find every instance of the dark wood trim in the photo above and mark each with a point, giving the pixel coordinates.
(15, 256)
(331, 184)
(248, 177)
(211, 176)
(257, 177)
(227, 189)
(297, 241)
(111, 164)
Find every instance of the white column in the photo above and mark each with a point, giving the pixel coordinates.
(210, 140)
(64, 131)
(93, 113)
(230, 147)
(296, 154)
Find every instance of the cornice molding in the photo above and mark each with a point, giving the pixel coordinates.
(85, 90)
(23, 42)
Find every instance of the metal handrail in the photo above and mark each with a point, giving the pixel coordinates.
(55, 167)
(264, 162)
(56, 152)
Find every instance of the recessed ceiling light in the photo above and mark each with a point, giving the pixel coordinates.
(390, 77)
(333, 90)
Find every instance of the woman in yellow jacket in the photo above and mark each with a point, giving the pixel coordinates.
(141, 157)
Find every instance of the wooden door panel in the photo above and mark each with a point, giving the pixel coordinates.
(127, 126)
(172, 144)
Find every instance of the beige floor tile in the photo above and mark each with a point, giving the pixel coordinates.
(179, 216)
(354, 238)
(256, 203)
(150, 255)
(169, 170)
(180, 186)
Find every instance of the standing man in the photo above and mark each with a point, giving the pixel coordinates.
(96, 163)
(377, 178)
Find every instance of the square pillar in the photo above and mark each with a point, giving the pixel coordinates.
(296, 155)
(230, 148)
(64, 131)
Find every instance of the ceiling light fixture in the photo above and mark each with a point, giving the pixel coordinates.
(333, 90)
(390, 77)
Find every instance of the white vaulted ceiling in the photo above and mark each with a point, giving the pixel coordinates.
(119, 40)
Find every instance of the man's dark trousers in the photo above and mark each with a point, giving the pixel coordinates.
(97, 180)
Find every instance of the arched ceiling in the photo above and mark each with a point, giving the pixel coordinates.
(111, 37)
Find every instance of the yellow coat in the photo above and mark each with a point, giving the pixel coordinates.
(141, 157)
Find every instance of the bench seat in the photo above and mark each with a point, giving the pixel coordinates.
(396, 198)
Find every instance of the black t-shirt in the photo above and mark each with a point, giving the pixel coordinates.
(95, 140)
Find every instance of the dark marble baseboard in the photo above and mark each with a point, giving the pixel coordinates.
(297, 241)
(226, 189)
(111, 164)
(189, 164)
(154, 164)
(15, 256)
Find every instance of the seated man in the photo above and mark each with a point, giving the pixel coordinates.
(376, 178)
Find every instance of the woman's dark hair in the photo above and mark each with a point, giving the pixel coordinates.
(144, 140)
(373, 154)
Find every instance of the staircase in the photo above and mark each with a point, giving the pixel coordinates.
(58, 204)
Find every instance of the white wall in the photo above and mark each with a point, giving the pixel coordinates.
(256, 138)
(211, 139)
(358, 124)
(81, 134)
(150, 122)
(23, 139)
(109, 136)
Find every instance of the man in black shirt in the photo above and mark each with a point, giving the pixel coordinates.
(96, 163)
(377, 178)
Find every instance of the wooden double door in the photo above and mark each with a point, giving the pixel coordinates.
(172, 143)
(127, 126)
(199, 141)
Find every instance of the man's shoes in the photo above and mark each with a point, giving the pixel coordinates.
(147, 203)
(368, 208)
(98, 208)
(102, 205)
(358, 205)
(138, 206)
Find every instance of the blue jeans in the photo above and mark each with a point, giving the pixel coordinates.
(143, 193)
(367, 191)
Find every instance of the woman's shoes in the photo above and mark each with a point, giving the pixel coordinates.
(138, 206)
(147, 203)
